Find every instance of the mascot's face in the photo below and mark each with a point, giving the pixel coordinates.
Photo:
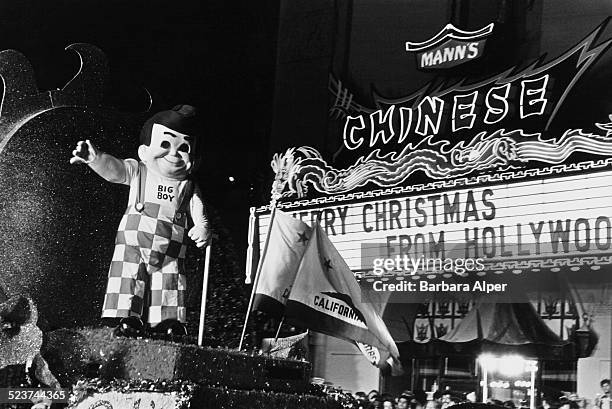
(169, 154)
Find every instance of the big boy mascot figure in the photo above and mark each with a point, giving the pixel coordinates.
(146, 279)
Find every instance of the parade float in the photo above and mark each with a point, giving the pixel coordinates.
(58, 234)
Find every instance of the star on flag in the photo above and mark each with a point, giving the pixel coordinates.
(303, 238)
(327, 264)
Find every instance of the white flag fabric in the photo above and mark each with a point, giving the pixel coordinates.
(327, 298)
(280, 262)
(379, 360)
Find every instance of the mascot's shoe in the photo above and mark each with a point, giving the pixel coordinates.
(130, 327)
(171, 329)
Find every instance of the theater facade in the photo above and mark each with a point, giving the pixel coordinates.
(455, 131)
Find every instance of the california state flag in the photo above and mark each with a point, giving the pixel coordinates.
(379, 359)
(280, 262)
(327, 298)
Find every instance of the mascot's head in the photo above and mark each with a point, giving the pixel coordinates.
(168, 142)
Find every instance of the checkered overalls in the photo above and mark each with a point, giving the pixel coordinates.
(147, 269)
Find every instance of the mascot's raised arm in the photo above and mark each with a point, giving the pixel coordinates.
(146, 281)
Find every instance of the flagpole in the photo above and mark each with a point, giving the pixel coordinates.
(281, 164)
(257, 274)
(279, 328)
(207, 250)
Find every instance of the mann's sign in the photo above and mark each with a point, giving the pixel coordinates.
(450, 47)
(451, 54)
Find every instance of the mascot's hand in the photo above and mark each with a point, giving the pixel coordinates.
(199, 234)
(85, 152)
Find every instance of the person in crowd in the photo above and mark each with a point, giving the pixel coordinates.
(415, 404)
(361, 398)
(602, 400)
(446, 399)
(376, 402)
(388, 402)
(372, 395)
(433, 404)
(453, 400)
(546, 402)
(420, 396)
(403, 401)
(569, 404)
(470, 397)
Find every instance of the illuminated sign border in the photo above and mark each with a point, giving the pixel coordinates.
(450, 32)
(507, 266)
(294, 176)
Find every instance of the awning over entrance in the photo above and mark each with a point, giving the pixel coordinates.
(505, 324)
(504, 328)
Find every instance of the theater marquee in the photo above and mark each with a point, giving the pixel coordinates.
(536, 223)
(475, 166)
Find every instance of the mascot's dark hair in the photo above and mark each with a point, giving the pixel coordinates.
(181, 118)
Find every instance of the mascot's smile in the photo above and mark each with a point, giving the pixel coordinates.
(175, 161)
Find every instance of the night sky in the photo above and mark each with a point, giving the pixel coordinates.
(218, 56)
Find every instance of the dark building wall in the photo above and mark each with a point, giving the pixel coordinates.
(564, 23)
(303, 60)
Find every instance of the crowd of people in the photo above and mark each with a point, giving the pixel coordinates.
(445, 399)
(407, 400)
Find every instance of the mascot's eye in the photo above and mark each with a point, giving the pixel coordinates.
(184, 148)
(165, 145)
